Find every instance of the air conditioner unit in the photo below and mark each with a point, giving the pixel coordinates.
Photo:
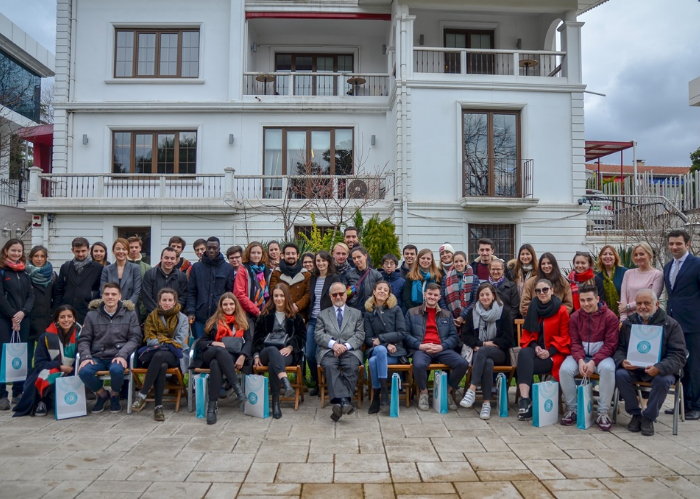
(365, 188)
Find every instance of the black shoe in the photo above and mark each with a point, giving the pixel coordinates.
(384, 393)
(647, 427)
(337, 412)
(99, 405)
(375, 405)
(346, 406)
(115, 405)
(240, 395)
(692, 415)
(635, 424)
(41, 409)
(276, 411)
(289, 390)
(314, 392)
(212, 410)
(525, 409)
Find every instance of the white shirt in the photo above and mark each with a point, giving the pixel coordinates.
(333, 342)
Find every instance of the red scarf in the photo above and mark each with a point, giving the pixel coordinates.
(17, 267)
(574, 279)
(224, 329)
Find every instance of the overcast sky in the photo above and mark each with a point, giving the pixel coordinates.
(640, 53)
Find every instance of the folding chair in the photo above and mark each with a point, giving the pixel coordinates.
(128, 378)
(298, 383)
(406, 368)
(175, 386)
(431, 368)
(323, 387)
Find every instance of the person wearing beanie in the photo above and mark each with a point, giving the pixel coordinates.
(446, 254)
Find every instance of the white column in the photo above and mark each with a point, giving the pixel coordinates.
(404, 46)
(571, 44)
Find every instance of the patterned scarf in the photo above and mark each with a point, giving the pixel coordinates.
(81, 264)
(16, 266)
(225, 328)
(612, 296)
(155, 328)
(261, 290)
(575, 279)
(66, 354)
(498, 282)
(40, 276)
(458, 290)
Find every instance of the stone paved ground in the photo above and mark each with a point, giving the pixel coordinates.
(304, 454)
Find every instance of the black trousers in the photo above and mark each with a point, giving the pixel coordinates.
(220, 363)
(691, 372)
(482, 368)
(341, 374)
(157, 369)
(276, 363)
(530, 364)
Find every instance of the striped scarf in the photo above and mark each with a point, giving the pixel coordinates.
(458, 290)
(65, 352)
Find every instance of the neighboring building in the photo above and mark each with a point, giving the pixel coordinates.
(467, 104)
(694, 92)
(656, 173)
(23, 63)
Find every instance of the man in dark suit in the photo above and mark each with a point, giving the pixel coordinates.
(78, 280)
(682, 279)
(339, 335)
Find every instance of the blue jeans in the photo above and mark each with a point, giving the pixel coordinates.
(311, 348)
(116, 371)
(197, 329)
(379, 364)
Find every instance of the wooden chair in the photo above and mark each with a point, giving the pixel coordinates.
(174, 388)
(643, 386)
(431, 368)
(128, 378)
(298, 383)
(406, 368)
(323, 387)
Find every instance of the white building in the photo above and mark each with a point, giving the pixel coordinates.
(467, 104)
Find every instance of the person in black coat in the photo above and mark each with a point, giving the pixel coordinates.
(78, 280)
(488, 332)
(279, 318)
(507, 290)
(43, 280)
(16, 302)
(163, 275)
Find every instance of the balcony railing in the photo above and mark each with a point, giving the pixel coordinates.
(313, 186)
(498, 177)
(487, 62)
(316, 84)
(13, 192)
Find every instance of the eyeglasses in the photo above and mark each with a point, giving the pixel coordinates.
(542, 291)
(336, 295)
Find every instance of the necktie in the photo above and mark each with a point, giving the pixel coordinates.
(674, 273)
(340, 319)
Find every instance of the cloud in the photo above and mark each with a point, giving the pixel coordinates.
(36, 17)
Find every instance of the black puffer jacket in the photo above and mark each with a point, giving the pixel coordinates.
(386, 323)
(16, 293)
(508, 293)
(209, 279)
(294, 326)
(155, 279)
(105, 337)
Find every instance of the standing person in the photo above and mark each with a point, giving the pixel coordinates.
(548, 268)
(123, 272)
(391, 275)
(360, 279)
(645, 276)
(488, 331)
(307, 261)
(234, 256)
(178, 244)
(163, 275)
(520, 269)
(16, 303)
(610, 269)
(78, 280)
(458, 291)
(293, 274)
(385, 328)
(424, 272)
(279, 316)
(446, 254)
(135, 255)
(351, 237)
(507, 290)
(545, 342)
(200, 247)
(274, 254)
(341, 252)
(323, 277)
(110, 334)
(480, 266)
(410, 252)
(98, 253)
(43, 279)
(165, 331)
(210, 278)
(682, 276)
(583, 275)
(55, 357)
(252, 284)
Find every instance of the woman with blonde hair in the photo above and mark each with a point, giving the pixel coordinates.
(123, 272)
(645, 276)
(610, 269)
(423, 272)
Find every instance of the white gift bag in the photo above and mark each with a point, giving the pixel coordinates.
(644, 348)
(257, 395)
(70, 400)
(14, 360)
(545, 403)
(201, 387)
(440, 392)
(584, 404)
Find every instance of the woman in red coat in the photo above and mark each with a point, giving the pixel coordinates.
(545, 342)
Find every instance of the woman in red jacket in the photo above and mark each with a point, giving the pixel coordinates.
(252, 283)
(545, 342)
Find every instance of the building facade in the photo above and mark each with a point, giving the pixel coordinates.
(240, 119)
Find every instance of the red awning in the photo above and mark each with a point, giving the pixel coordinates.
(41, 134)
(599, 148)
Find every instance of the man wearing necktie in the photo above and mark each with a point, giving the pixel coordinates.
(682, 276)
(339, 335)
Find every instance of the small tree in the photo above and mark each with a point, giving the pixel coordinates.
(695, 158)
(379, 238)
(319, 240)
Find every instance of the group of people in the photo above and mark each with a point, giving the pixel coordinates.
(271, 306)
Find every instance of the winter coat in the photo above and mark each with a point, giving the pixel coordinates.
(593, 335)
(396, 283)
(243, 287)
(298, 287)
(556, 337)
(407, 294)
(415, 326)
(673, 349)
(404, 270)
(180, 336)
(450, 298)
(16, 293)
(529, 293)
(508, 293)
(40, 316)
(386, 323)
(209, 279)
(617, 281)
(130, 283)
(209, 337)
(105, 337)
(326, 301)
(78, 290)
(295, 329)
(155, 279)
(352, 277)
(504, 332)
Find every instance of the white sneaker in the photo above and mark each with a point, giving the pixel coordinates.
(423, 402)
(468, 399)
(485, 411)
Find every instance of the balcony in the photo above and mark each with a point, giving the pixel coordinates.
(498, 183)
(316, 84)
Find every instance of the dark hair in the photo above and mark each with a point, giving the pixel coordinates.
(199, 242)
(679, 233)
(327, 257)
(586, 255)
(246, 254)
(7, 246)
(270, 306)
(290, 245)
(178, 240)
(214, 239)
(234, 249)
(351, 228)
(556, 279)
(166, 291)
(391, 257)
(492, 288)
(112, 285)
(361, 249)
(462, 253)
(62, 308)
(135, 239)
(484, 240)
(409, 247)
(273, 242)
(432, 285)
(169, 248)
(588, 288)
(308, 254)
(79, 242)
(518, 268)
(37, 249)
(546, 281)
(104, 247)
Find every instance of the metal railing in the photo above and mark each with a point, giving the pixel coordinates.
(487, 61)
(316, 84)
(13, 191)
(313, 186)
(498, 177)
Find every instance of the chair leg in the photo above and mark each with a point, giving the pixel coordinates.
(130, 395)
(190, 391)
(682, 401)
(616, 398)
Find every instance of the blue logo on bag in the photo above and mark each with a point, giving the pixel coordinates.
(644, 347)
(71, 398)
(589, 407)
(548, 405)
(16, 363)
(253, 398)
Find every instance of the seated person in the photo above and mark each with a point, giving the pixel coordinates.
(385, 329)
(594, 331)
(54, 357)
(431, 338)
(166, 333)
(661, 375)
(110, 334)
(545, 342)
(339, 335)
(279, 317)
(488, 331)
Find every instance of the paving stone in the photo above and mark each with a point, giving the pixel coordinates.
(162, 471)
(270, 489)
(334, 446)
(68, 489)
(422, 430)
(215, 477)
(639, 488)
(537, 451)
(221, 461)
(321, 458)
(501, 475)
(336, 491)
(493, 444)
(100, 487)
(532, 490)
(362, 477)
(261, 473)
(447, 472)
(584, 468)
(26, 490)
(428, 496)
(451, 456)
(424, 488)
(208, 444)
(222, 490)
(361, 463)
(404, 472)
(378, 490)
(582, 484)
(305, 473)
(543, 470)
(281, 455)
(579, 454)
(681, 486)
(468, 444)
(495, 461)
(486, 490)
(175, 490)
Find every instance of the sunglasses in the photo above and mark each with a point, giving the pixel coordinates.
(336, 295)
(542, 291)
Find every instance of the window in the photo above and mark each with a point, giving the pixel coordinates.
(20, 89)
(469, 39)
(502, 235)
(313, 63)
(490, 154)
(306, 151)
(151, 53)
(144, 233)
(175, 152)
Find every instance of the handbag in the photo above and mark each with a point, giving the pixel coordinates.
(233, 345)
(513, 352)
(276, 339)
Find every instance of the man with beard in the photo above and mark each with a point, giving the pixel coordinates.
(163, 275)
(291, 272)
